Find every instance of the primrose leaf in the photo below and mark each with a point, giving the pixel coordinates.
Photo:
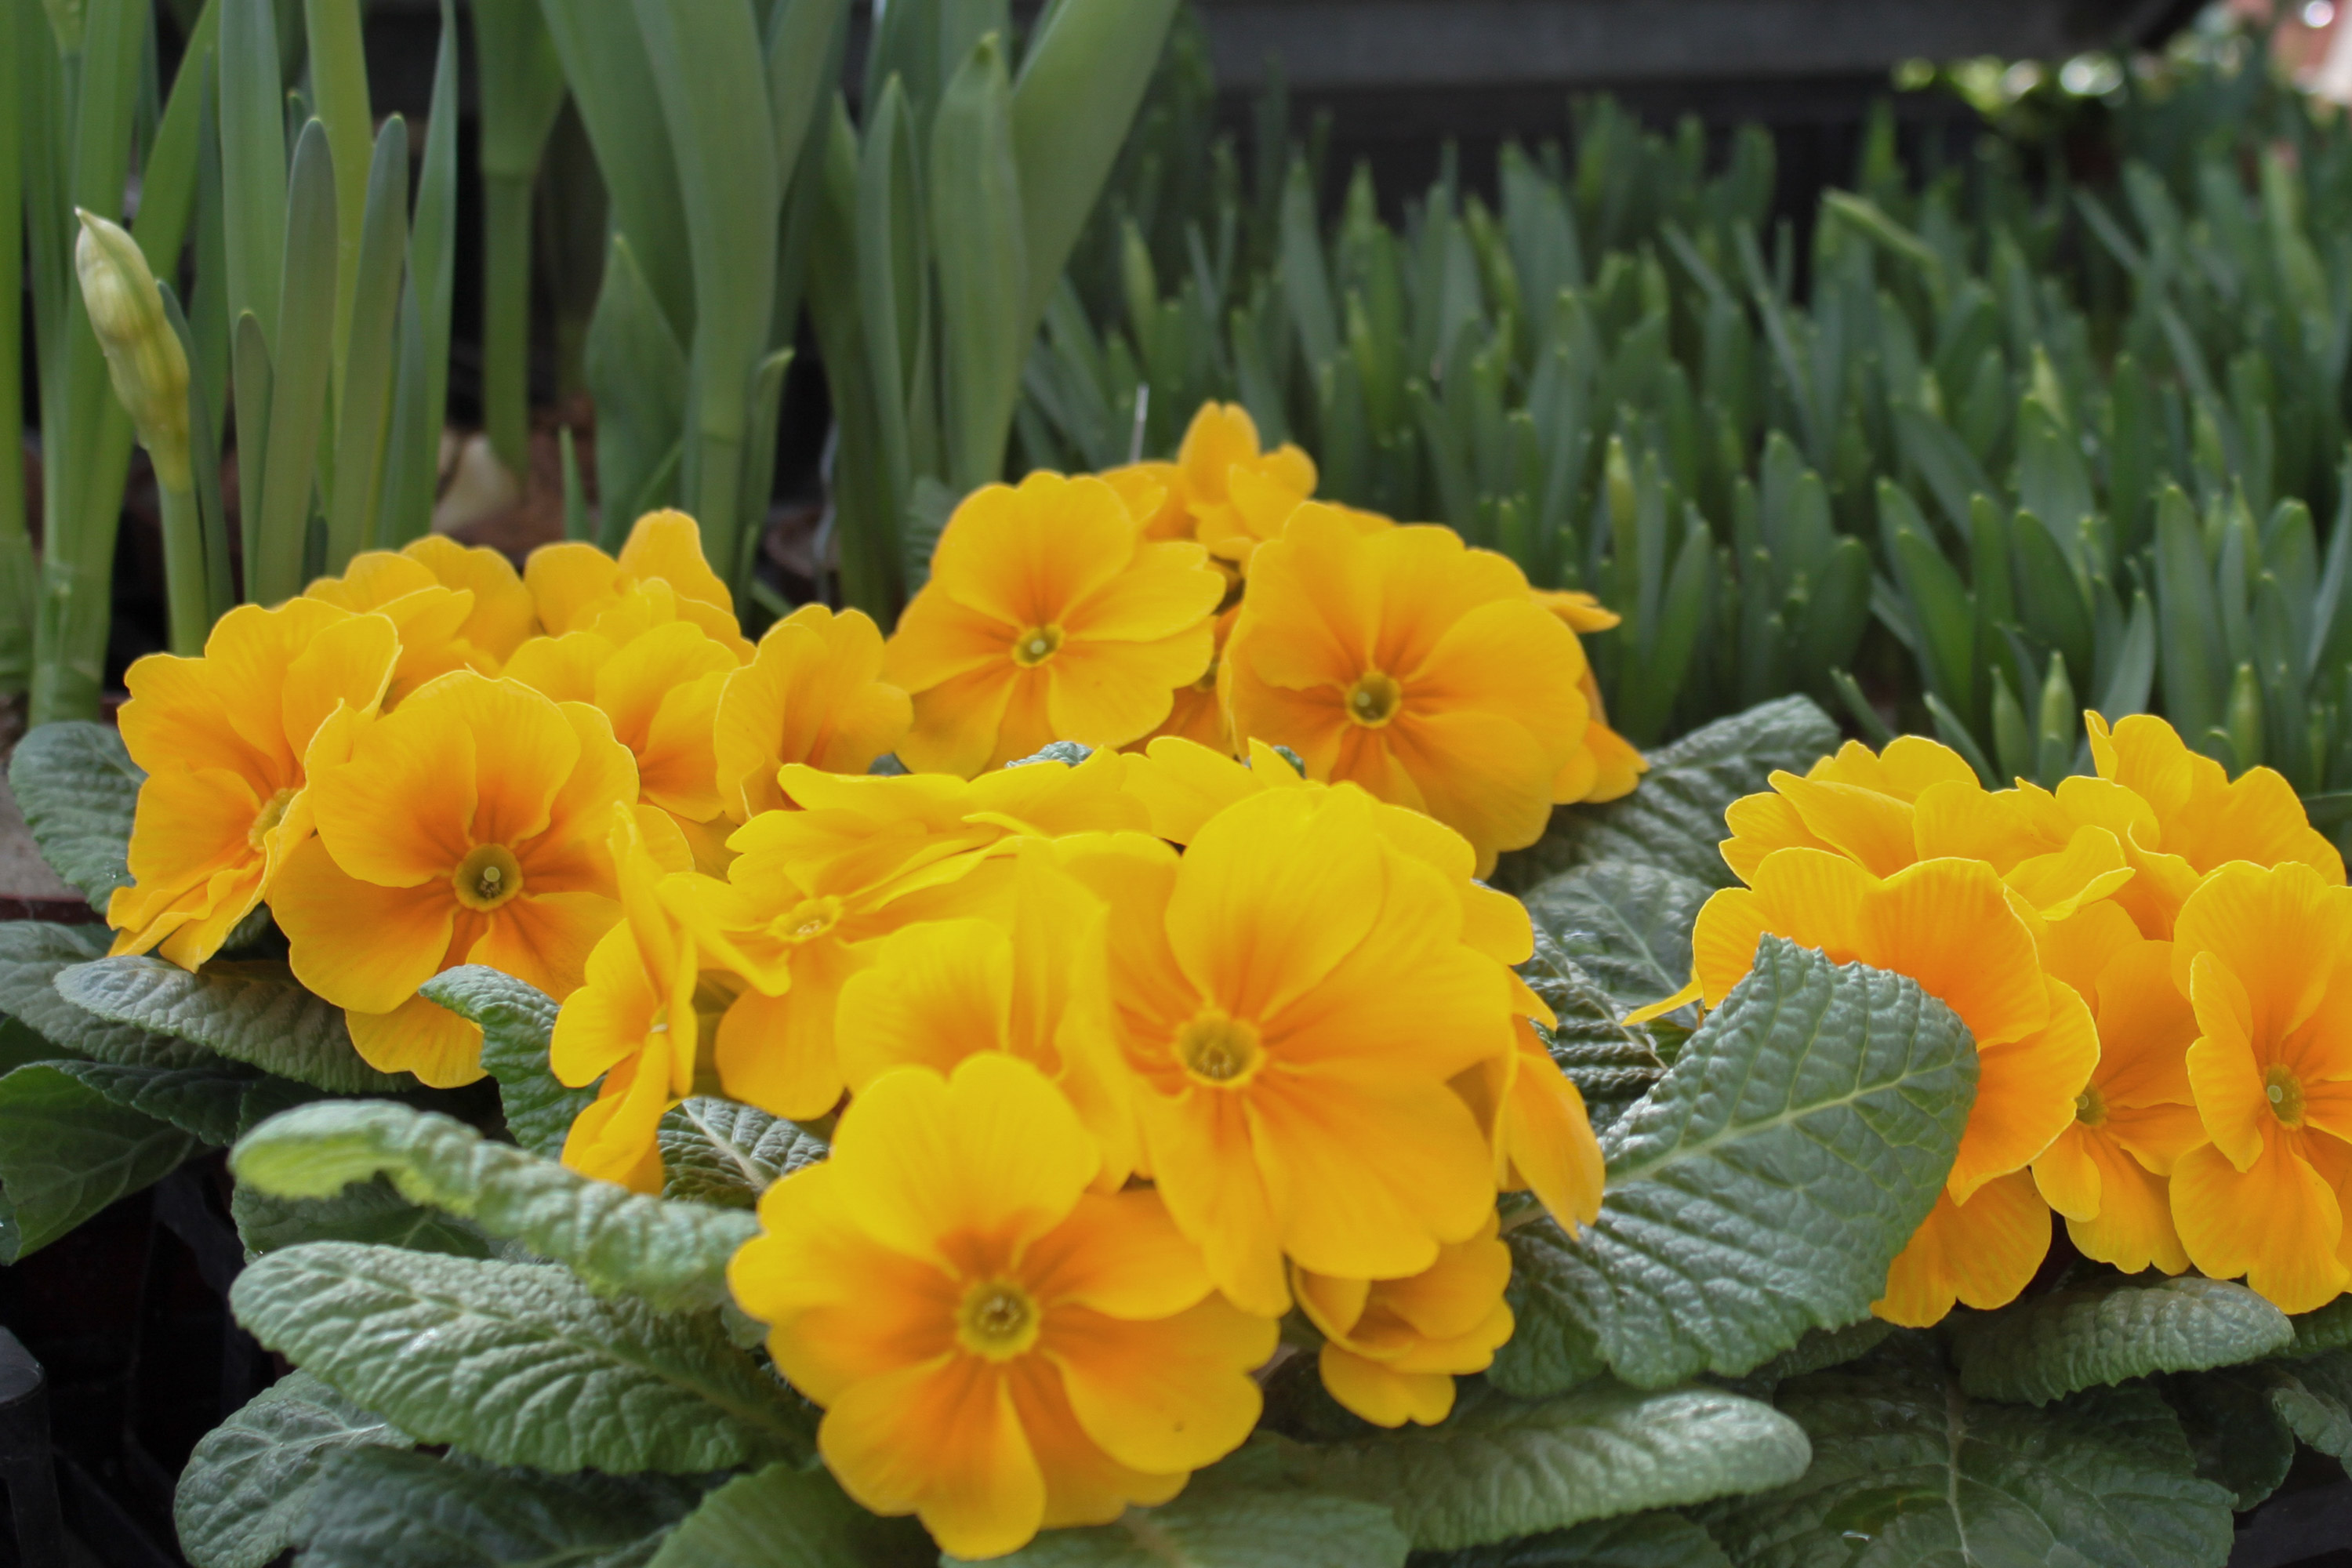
(1229, 1526)
(2240, 1439)
(518, 1022)
(248, 1484)
(1634, 1541)
(1907, 1469)
(2314, 1395)
(386, 1507)
(1760, 1190)
(2049, 1346)
(518, 1363)
(216, 1102)
(371, 1212)
(78, 789)
(673, 1255)
(2328, 1329)
(1611, 1065)
(1626, 925)
(1500, 1467)
(788, 1516)
(1674, 818)
(256, 1012)
(32, 954)
(67, 1151)
(726, 1153)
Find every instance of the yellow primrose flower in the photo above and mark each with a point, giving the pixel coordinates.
(1199, 711)
(1420, 669)
(468, 827)
(431, 618)
(1155, 497)
(503, 612)
(1047, 618)
(813, 693)
(1950, 925)
(1295, 995)
(226, 740)
(632, 1022)
(573, 584)
(998, 1350)
(1238, 496)
(2108, 1174)
(2265, 955)
(1032, 981)
(1536, 1121)
(660, 691)
(1617, 765)
(1392, 1348)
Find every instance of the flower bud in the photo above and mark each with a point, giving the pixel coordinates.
(143, 352)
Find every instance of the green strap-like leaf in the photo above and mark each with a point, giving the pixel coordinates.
(789, 1516)
(518, 1021)
(255, 1013)
(1502, 1468)
(673, 1255)
(518, 1363)
(1761, 1190)
(77, 789)
(248, 1484)
(1626, 925)
(2049, 1346)
(370, 1212)
(385, 1508)
(721, 1152)
(67, 1152)
(32, 954)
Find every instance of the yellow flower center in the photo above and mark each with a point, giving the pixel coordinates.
(807, 921)
(487, 877)
(1374, 699)
(2285, 1091)
(1221, 1052)
(999, 1319)
(2091, 1108)
(1036, 646)
(272, 813)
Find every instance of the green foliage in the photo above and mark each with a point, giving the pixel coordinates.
(788, 1516)
(517, 1364)
(248, 1487)
(32, 954)
(2313, 1396)
(1760, 1191)
(256, 1012)
(78, 788)
(2052, 1345)
(385, 1508)
(1611, 1065)
(1635, 1540)
(2241, 1441)
(1236, 1514)
(373, 1212)
(516, 1021)
(1625, 924)
(66, 1151)
(725, 1152)
(216, 1102)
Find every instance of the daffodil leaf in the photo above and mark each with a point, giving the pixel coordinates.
(789, 1516)
(78, 789)
(1635, 1540)
(2052, 1345)
(371, 1212)
(673, 1255)
(516, 1021)
(2328, 1329)
(1760, 1190)
(1674, 818)
(2241, 1441)
(216, 1102)
(1611, 1065)
(1625, 924)
(67, 1152)
(1908, 1469)
(32, 954)
(724, 1152)
(388, 1507)
(1500, 1468)
(2314, 1397)
(248, 1484)
(256, 1012)
(517, 1362)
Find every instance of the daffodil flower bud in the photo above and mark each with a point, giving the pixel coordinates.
(143, 352)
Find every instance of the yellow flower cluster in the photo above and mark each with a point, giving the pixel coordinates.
(2157, 966)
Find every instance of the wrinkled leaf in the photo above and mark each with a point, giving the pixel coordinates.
(32, 954)
(217, 1103)
(384, 1507)
(2241, 1441)
(1636, 1541)
(67, 1152)
(2049, 1346)
(78, 789)
(248, 1486)
(786, 1516)
(724, 1152)
(371, 1212)
(256, 1013)
(1625, 925)
(516, 1021)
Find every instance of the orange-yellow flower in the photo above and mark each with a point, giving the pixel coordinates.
(573, 584)
(503, 613)
(1392, 1348)
(1293, 995)
(1950, 925)
(2107, 1172)
(632, 1022)
(1047, 618)
(1199, 711)
(457, 608)
(998, 1349)
(1155, 498)
(225, 740)
(468, 827)
(2265, 955)
(1421, 669)
(1239, 497)
(813, 693)
(1033, 982)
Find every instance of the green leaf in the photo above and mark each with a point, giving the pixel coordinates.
(1235, 1514)
(32, 952)
(1612, 1065)
(787, 1516)
(2328, 1329)
(1674, 818)
(385, 1508)
(302, 352)
(2047, 1347)
(253, 1013)
(1501, 1466)
(78, 789)
(516, 1021)
(1625, 924)
(1635, 1540)
(720, 1151)
(216, 1102)
(979, 257)
(518, 1363)
(2314, 1397)
(2241, 1441)
(1761, 1190)
(673, 1255)
(1821, 1349)
(1907, 1469)
(67, 1152)
(249, 1482)
(636, 373)
(371, 1212)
